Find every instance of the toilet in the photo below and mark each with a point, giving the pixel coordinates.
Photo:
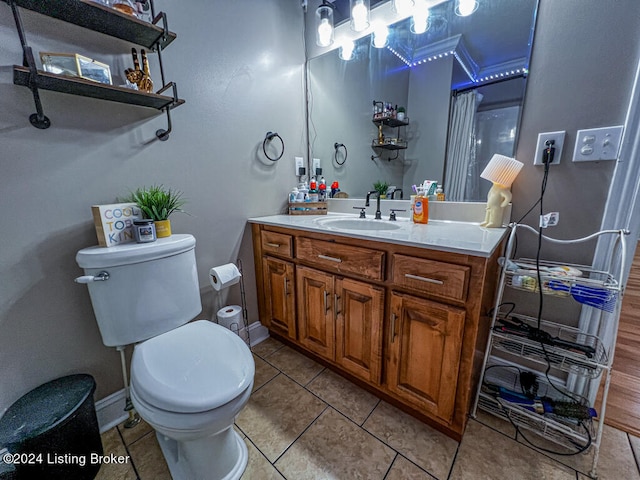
(189, 380)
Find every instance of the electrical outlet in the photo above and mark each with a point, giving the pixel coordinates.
(316, 167)
(300, 166)
(558, 139)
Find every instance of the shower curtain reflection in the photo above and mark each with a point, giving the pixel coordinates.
(461, 148)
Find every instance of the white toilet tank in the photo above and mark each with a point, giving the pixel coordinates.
(152, 287)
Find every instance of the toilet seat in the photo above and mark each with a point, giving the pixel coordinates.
(194, 368)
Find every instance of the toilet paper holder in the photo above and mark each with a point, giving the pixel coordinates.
(244, 326)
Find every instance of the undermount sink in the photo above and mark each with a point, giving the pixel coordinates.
(357, 224)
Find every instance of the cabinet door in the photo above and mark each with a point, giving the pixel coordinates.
(279, 296)
(425, 339)
(316, 326)
(359, 311)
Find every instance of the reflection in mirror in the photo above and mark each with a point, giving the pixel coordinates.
(461, 83)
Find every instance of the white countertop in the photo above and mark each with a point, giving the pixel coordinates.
(449, 236)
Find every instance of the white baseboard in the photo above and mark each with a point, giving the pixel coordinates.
(258, 333)
(110, 410)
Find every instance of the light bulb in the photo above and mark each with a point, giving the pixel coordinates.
(346, 50)
(466, 7)
(402, 7)
(324, 22)
(380, 36)
(420, 20)
(325, 31)
(359, 16)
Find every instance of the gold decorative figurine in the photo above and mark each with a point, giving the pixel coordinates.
(141, 77)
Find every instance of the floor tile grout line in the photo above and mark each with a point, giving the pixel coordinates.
(266, 383)
(514, 438)
(302, 433)
(282, 345)
(400, 455)
(263, 455)
(126, 448)
(371, 412)
(316, 376)
(453, 462)
(548, 455)
(635, 454)
(386, 474)
(336, 408)
(290, 377)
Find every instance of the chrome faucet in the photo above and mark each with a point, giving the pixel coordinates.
(393, 194)
(366, 204)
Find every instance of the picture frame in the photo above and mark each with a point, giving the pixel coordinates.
(76, 65)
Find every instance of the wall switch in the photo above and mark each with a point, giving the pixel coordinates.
(300, 170)
(558, 143)
(316, 170)
(597, 144)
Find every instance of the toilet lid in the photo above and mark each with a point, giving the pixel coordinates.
(196, 367)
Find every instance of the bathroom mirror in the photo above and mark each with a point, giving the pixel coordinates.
(427, 74)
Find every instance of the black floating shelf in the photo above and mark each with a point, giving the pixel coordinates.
(389, 146)
(88, 88)
(93, 16)
(390, 122)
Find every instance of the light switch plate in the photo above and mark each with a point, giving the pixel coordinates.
(597, 144)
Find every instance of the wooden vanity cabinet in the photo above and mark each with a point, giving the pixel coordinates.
(405, 322)
(341, 320)
(316, 325)
(279, 304)
(425, 342)
(359, 315)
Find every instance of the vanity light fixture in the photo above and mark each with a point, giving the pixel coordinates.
(420, 22)
(324, 24)
(380, 37)
(403, 7)
(346, 49)
(501, 171)
(464, 8)
(359, 14)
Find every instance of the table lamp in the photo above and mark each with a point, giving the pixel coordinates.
(502, 171)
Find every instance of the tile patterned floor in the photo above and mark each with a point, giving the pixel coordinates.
(306, 422)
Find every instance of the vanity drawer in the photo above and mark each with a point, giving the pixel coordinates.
(277, 243)
(364, 262)
(429, 276)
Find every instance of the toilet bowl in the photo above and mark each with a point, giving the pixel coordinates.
(189, 384)
(188, 380)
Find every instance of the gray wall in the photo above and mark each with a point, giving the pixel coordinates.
(585, 55)
(428, 111)
(239, 66)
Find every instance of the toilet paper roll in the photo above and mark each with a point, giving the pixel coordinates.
(230, 315)
(224, 276)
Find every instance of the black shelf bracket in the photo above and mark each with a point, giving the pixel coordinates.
(38, 119)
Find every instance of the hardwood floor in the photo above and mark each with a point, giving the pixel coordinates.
(623, 406)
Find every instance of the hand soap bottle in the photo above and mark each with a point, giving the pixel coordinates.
(421, 209)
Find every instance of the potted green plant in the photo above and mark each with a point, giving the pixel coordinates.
(381, 187)
(157, 203)
(401, 114)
